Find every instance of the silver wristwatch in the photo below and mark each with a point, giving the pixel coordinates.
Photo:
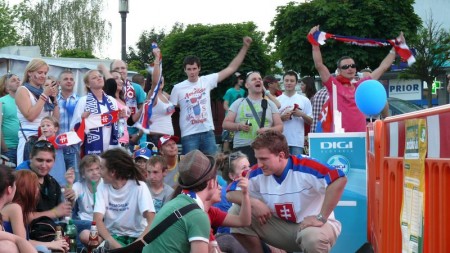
(321, 218)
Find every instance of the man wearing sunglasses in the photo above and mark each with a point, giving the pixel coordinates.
(354, 119)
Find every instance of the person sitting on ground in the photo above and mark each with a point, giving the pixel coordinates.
(10, 242)
(16, 215)
(85, 190)
(167, 146)
(42, 159)
(123, 207)
(156, 169)
(294, 199)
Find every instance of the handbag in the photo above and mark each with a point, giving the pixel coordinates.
(137, 246)
(43, 229)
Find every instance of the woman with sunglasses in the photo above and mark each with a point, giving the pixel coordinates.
(353, 119)
(10, 242)
(42, 158)
(34, 101)
(9, 84)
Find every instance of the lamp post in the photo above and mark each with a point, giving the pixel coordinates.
(123, 10)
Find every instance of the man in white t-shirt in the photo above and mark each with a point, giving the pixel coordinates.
(193, 98)
(296, 111)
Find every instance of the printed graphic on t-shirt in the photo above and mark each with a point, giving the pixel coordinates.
(286, 212)
(196, 105)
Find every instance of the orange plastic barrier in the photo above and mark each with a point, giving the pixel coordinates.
(386, 146)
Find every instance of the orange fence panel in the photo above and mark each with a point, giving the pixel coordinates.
(385, 151)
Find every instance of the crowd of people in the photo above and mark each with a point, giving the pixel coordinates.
(259, 194)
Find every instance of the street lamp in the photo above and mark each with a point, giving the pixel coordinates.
(123, 10)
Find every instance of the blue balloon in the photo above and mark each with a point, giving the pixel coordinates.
(370, 97)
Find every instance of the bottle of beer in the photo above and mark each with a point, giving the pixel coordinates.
(71, 233)
(58, 236)
(93, 238)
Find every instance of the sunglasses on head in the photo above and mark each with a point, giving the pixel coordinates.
(249, 73)
(347, 66)
(44, 144)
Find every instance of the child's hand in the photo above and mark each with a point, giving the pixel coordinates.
(70, 177)
(243, 183)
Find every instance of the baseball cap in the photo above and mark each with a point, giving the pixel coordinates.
(166, 138)
(142, 152)
(195, 168)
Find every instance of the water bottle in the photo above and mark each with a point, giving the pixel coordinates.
(121, 126)
(71, 233)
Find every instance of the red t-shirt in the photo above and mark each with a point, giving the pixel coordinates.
(216, 217)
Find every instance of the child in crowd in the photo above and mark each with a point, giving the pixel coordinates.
(85, 191)
(156, 171)
(121, 215)
(141, 157)
(49, 128)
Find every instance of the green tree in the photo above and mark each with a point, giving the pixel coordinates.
(139, 56)
(75, 53)
(361, 18)
(432, 48)
(59, 24)
(8, 30)
(215, 45)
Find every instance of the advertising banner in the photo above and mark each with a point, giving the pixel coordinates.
(346, 151)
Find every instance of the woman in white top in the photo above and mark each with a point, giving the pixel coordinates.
(97, 140)
(161, 120)
(34, 101)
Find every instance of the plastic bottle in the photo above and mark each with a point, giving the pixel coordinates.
(121, 126)
(63, 200)
(71, 233)
(93, 238)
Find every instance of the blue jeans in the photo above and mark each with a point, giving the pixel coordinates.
(205, 142)
(81, 225)
(295, 150)
(71, 159)
(11, 154)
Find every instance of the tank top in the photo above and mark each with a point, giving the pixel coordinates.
(31, 127)
(162, 117)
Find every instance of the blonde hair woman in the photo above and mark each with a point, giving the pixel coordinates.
(34, 101)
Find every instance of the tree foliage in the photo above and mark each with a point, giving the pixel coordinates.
(63, 24)
(8, 31)
(432, 47)
(362, 18)
(215, 45)
(75, 53)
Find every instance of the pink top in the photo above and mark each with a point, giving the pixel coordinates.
(353, 120)
(125, 139)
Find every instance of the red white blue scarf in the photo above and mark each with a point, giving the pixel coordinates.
(144, 120)
(318, 38)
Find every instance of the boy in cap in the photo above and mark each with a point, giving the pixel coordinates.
(167, 146)
(141, 157)
(197, 179)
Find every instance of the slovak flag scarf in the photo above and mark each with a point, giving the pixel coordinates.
(319, 37)
(144, 121)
